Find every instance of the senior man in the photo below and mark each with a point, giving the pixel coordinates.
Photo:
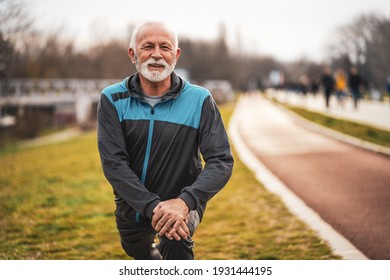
(153, 128)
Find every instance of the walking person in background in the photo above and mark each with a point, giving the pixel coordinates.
(355, 84)
(304, 83)
(388, 86)
(327, 84)
(341, 87)
(153, 128)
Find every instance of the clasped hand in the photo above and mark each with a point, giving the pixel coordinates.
(170, 218)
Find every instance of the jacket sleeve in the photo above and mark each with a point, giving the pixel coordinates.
(215, 149)
(114, 159)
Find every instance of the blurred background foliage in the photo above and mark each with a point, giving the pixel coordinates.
(27, 52)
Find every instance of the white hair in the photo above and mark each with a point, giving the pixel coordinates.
(133, 40)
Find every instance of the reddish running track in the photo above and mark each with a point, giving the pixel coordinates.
(347, 186)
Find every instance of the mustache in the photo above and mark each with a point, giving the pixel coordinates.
(157, 62)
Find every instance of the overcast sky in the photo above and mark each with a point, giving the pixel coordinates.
(287, 30)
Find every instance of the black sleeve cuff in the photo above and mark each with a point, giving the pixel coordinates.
(150, 207)
(189, 200)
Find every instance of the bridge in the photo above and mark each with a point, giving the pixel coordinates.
(63, 100)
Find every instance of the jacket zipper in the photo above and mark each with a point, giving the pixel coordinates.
(150, 136)
(148, 145)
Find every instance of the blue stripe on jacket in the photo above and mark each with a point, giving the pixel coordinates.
(185, 109)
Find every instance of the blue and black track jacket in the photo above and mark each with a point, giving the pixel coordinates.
(153, 154)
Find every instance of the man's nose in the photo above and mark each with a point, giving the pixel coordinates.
(156, 53)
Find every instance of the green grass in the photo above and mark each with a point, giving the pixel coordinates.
(364, 132)
(56, 204)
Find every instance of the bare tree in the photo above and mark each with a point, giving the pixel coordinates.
(378, 54)
(14, 18)
(14, 23)
(364, 42)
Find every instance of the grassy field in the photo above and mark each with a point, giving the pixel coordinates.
(56, 204)
(367, 133)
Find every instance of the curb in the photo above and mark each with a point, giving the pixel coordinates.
(339, 244)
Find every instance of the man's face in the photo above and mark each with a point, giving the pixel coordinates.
(155, 56)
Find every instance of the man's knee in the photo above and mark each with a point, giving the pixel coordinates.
(183, 249)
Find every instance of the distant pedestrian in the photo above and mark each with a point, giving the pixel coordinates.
(388, 86)
(327, 84)
(314, 85)
(304, 84)
(355, 84)
(341, 87)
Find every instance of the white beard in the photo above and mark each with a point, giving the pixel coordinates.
(155, 76)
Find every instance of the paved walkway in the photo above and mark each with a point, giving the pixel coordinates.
(57, 137)
(348, 187)
(373, 113)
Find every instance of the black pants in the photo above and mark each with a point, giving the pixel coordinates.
(138, 240)
(327, 98)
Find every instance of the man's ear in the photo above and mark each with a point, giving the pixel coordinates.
(178, 52)
(131, 55)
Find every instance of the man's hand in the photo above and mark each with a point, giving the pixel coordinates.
(170, 218)
(182, 232)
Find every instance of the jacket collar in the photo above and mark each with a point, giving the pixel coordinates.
(134, 87)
